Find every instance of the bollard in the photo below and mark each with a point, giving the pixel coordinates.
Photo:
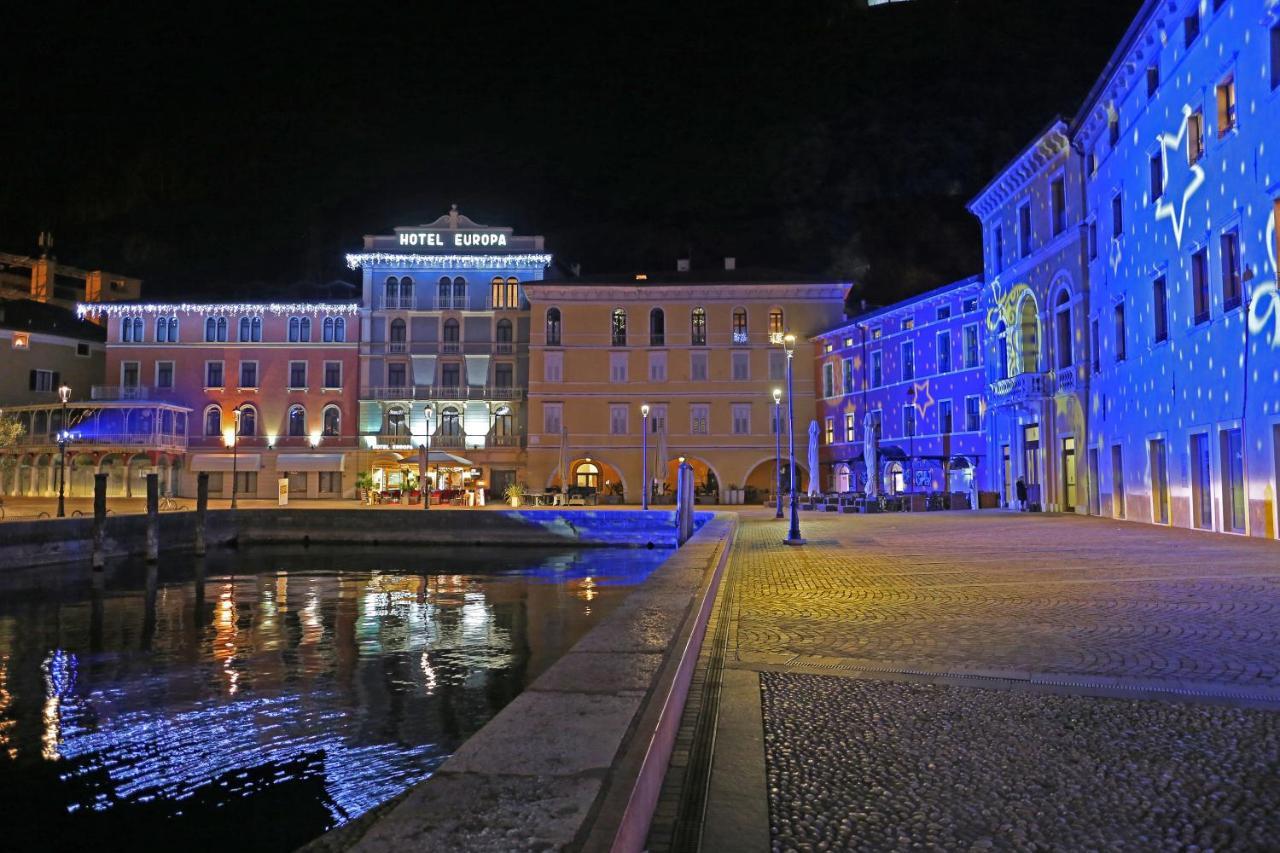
(153, 517)
(202, 506)
(99, 519)
(684, 503)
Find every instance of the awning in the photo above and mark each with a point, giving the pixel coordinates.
(439, 457)
(222, 462)
(309, 462)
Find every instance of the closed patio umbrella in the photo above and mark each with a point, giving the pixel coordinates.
(564, 460)
(813, 490)
(869, 453)
(660, 458)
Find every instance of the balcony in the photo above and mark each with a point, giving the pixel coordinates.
(431, 393)
(1064, 380)
(120, 392)
(504, 347)
(450, 347)
(1021, 388)
(397, 346)
(393, 303)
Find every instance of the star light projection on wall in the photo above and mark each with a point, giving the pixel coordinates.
(1172, 204)
(1264, 308)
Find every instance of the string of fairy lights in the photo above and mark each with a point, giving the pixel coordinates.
(447, 262)
(121, 309)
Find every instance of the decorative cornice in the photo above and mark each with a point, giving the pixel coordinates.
(1052, 143)
(717, 292)
(119, 309)
(447, 262)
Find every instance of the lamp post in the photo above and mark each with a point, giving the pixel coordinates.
(793, 535)
(64, 393)
(235, 442)
(644, 456)
(777, 450)
(911, 442)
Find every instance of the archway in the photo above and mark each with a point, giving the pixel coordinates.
(1028, 335)
(590, 472)
(841, 478)
(80, 468)
(762, 478)
(894, 479)
(706, 479)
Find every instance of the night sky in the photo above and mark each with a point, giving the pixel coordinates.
(244, 151)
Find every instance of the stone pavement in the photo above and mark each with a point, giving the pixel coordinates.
(1060, 613)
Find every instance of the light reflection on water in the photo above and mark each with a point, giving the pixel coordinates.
(282, 690)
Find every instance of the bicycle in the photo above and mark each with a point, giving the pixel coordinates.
(167, 503)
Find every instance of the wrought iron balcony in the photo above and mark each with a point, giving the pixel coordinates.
(1020, 388)
(119, 392)
(443, 393)
(1064, 379)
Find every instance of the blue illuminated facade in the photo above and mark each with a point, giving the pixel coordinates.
(1130, 257)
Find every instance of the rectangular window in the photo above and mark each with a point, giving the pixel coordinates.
(969, 305)
(1095, 346)
(1195, 137)
(1093, 241)
(741, 418)
(1119, 331)
(330, 482)
(1159, 481)
(970, 346)
(1113, 131)
(1226, 92)
(877, 369)
(850, 427)
(1117, 482)
(164, 374)
(333, 374)
(1024, 229)
(829, 379)
(1200, 285)
(944, 352)
(972, 414)
(741, 365)
(658, 366)
(618, 419)
(82, 350)
(1190, 28)
(846, 374)
(248, 374)
(777, 364)
(698, 366)
(618, 367)
(1201, 483)
(909, 419)
(1275, 57)
(1153, 79)
(1160, 307)
(247, 483)
(213, 374)
(909, 323)
(944, 417)
(1155, 174)
(699, 419)
(42, 380)
(908, 360)
(829, 431)
(1233, 504)
(396, 374)
(658, 418)
(1058, 190)
(1117, 215)
(944, 313)
(553, 367)
(1231, 291)
(551, 421)
(504, 375)
(450, 375)
(297, 374)
(876, 333)
(129, 374)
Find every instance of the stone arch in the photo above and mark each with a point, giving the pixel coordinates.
(607, 470)
(1027, 337)
(762, 475)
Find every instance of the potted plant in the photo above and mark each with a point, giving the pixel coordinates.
(364, 482)
(514, 493)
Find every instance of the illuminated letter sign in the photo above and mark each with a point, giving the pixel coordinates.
(461, 239)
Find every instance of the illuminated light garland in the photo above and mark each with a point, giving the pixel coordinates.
(446, 262)
(121, 309)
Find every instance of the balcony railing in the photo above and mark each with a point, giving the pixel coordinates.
(1064, 379)
(428, 393)
(1024, 386)
(504, 347)
(140, 440)
(396, 346)
(450, 346)
(493, 440)
(120, 392)
(397, 303)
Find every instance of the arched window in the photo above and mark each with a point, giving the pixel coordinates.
(132, 330)
(513, 292)
(587, 476)
(295, 329)
(739, 325)
(397, 423)
(126, 330)
(297, 421)
(503, 332)
(327, 335)
(391, 298)
(248, 420)
(1028, 336)
(339, 329)
(255, 329)
(503, 422)
(443, 299)
(497, 293)
(619, 336)
(777, 324)
(450, 421)
(1062, 323)
(162, 330)
(222, 329)
(209, 329)
(395, 335)
(244, 328)
(459, 292)
(451, 331)
(698, 327)
(213, 421)
(553, 327)
(305, 332)
(657, 328)
(406, 292)
(332, 420)
(173, 330)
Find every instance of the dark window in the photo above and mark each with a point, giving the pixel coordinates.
(392, 296)
(1275, 57)
(1153, 79)
(908, 360)
(297, 421)
(997, 248)
(451, 375)
(333, 374)
(1059, 192)
(1155, 171)
(503, 374)
(297, 374)
(698, 327)
(451, 331)
(1231, 293)
(1024, 230)
(1200, 285)
(164, 374)
(213, 421)
(459, 292)
(1095, 344)
(553, 327)
(1093, 241)
(944, 352)
(444, 297)
(657, 328)
(1190, 28)
(396, 374)
(332, 421)
(1117, 215)
(1113, 131)
(1119, 330)
(213, 375)
(248, 374)
(1160, 305)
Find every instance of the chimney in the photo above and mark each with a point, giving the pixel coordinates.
(42, 273)
(730, 263)
(93, 286)
(682, 265)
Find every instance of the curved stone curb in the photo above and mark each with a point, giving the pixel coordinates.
(558, 767)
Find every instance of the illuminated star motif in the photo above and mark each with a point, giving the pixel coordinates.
(1170, 206)
(922, 397)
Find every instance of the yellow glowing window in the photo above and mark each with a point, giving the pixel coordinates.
(21, 340)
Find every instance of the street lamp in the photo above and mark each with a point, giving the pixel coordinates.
(789, 345)
(911, 442)
(64, 392)
(777, 450)
(644, 456)
(235, 442)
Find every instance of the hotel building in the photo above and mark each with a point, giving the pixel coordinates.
(702, 352)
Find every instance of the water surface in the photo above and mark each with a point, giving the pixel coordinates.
(256, 698)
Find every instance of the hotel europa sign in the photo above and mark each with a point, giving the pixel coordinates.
(452, 239)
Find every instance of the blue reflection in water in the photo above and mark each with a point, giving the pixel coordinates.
(289, 690)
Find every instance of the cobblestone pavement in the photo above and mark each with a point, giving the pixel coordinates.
(1010, 592)
(874, 765)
